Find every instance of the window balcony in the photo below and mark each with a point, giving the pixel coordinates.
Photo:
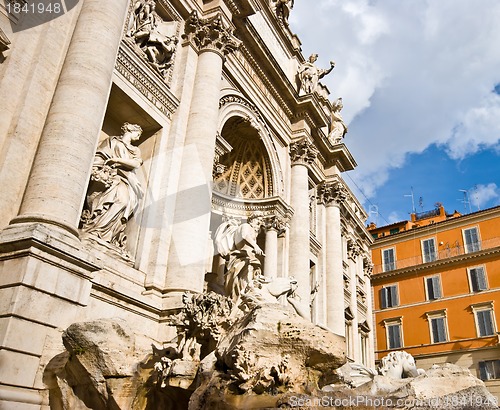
(448, 251)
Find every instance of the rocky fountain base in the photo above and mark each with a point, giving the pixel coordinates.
(268, 357)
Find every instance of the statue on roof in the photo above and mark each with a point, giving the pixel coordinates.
(283, 8)
(338, 129)
(309, 75)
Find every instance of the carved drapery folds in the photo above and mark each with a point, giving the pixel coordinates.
(338, 129)
(210, 34)
(149, 33)
(332, 193)
(114, 190)
(302, 152)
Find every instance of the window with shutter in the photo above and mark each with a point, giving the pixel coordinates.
(471, 240)
(438, 330)
(388, 258)
(389, 297)
(485, 323)
(394, 336)
(478, 279)
(428, 250)
(489, 369)
(433, 286)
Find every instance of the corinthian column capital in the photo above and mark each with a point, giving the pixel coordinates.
(210, 34)
(302, 152)
(332, 193)
(275, 222)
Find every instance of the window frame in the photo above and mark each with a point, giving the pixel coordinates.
(389, 299)
(384, 266)
(471, 281)
(484, 307)
(475, 246)
(495, 364)
(434, 256)
(440, 287)
(439, 314)
(398, 321)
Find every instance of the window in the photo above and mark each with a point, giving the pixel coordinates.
(477, 279)
(393, 231)
(389, 261)
(433, 287)
(394, 333)
(389, 296)
(471, 240)
(485, 319)
(489, 369)
(428, 250)
(437, 326)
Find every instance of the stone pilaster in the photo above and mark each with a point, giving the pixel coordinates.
(353, 252)
(302, 154)
(60, 172)
(368, 270)
(274, 225)
(212, 41)
(332, 195)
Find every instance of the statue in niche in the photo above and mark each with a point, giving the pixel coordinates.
(237, 244)
(309, 75)
(338, 129)
(145, 29)
(283, 8)
(114, 189)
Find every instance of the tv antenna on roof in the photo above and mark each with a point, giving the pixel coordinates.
(413, 210)
(465, 200)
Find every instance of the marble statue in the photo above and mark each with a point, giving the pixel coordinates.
(338, 129)
(237, 244)
(114, 189)
(283, 8)
(144, 28)
(309, 75)
(399, 365)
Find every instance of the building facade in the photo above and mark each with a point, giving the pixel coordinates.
(436, 287)
(131, 132)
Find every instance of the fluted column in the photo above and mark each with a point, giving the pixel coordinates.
(302, 154)
(187, 259)
(274, 225)
(332, 195)
(59, 175)
(367, 271)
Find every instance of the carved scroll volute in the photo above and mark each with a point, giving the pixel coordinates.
(303, 152)
(332, 193)
(210, 34)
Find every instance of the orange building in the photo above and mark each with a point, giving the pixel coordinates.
(436, 288)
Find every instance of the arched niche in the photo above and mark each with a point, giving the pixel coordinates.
(250, 167)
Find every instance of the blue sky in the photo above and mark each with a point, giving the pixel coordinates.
(420, 82)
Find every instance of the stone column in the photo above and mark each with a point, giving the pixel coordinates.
(368, 270)
(274, 225)
(59, 175)
(353, 251)
(302, 154)
(187, 260)
(332, 195)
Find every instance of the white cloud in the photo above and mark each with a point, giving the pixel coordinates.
(411, 73)
(481, 196)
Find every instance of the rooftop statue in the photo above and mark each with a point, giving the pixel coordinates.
(309, 75)
(338, 129)
(114, 189)
(283, 8)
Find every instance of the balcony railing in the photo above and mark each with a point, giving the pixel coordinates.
(448, 251)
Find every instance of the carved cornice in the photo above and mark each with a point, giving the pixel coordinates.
(302, 152)
(210, 34)
(332, 193)
(134, 70)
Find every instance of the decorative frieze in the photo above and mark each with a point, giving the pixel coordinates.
(303, 152)
(210, 34)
